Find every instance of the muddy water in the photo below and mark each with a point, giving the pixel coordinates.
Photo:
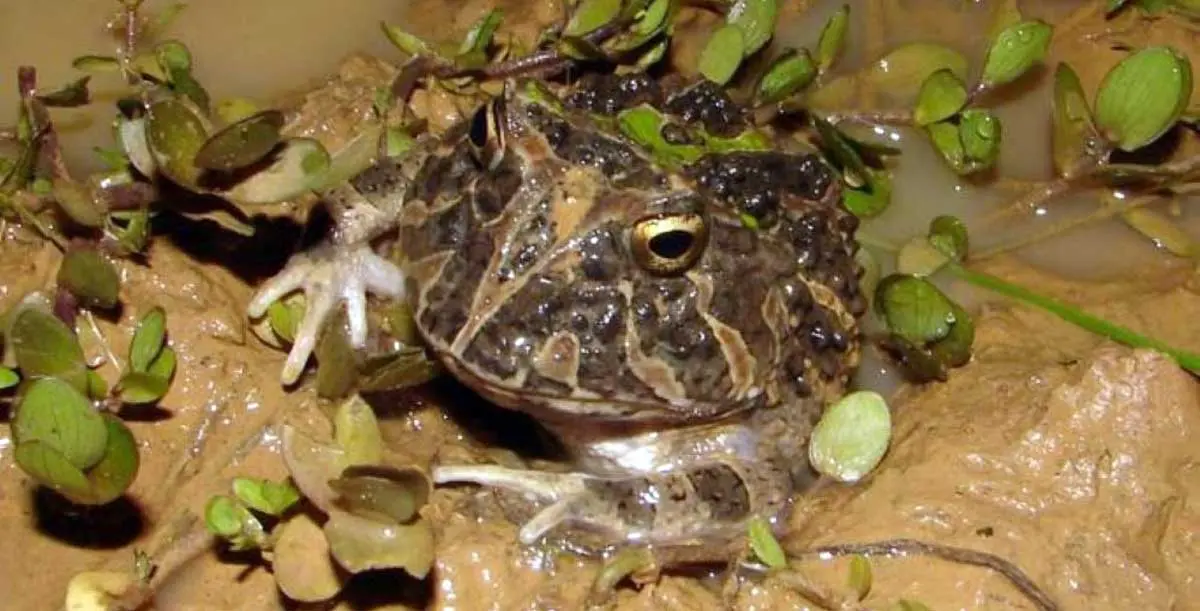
(267, 47)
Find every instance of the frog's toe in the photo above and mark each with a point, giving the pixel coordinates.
(566, 493)
(328, 277)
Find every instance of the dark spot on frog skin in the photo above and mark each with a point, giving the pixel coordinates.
(609, 94)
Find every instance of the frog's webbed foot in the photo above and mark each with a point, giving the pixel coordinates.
(702, 506)
(329, 275)
(566, 493)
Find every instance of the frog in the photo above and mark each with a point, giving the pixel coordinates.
(679, 328)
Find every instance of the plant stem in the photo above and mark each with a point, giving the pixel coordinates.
(1071, 314)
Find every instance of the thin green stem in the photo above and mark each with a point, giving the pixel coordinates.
(1071, 314)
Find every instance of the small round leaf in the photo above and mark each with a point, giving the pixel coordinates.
(833, 38)
(756, 20)
(942, 95)
(243, 143)
(902, 71)
(722, 55)
(980, 134)
(1074, 136)
(764, 544)
(1143, 96)
(914, 308)
(789, 73)
(148, 339)
(91, 277)
(45, 347)
(265, 496)
(590, 15)
(1016, 49)
(53, 413)
(852, 437)
(112, 476)
(175, 134)
(302, 564)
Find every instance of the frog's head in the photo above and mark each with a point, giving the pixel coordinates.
(585, 280)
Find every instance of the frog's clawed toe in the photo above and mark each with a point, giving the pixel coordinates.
(328, 276)
(566, 493)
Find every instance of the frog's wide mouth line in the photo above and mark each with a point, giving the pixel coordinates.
(980, 336)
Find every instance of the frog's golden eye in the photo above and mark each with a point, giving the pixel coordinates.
(486, 133)
(669, 244)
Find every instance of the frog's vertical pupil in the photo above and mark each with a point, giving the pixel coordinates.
(479, 126)
(672, 244)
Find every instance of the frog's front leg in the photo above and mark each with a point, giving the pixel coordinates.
(691, 492)
(341, 269)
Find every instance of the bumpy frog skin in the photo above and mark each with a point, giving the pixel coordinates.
(681, 357)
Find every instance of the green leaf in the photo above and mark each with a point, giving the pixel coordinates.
(852, 437)
(173, 55)
(954, 350)
(792, 71)
(720, 58)
(653, 17)
(842, 152)
(175, 134)
(1016, 49)
(52, 412)
(949, 236)
(337, 369)
(265, 496)
(285, 316)
(980, 134)
(643, 124)
(148, 339)
(404, 41)
(871, 199)
(96, 64)
(1143, 96)
(51, 469)
(919, 257)
(912, 605)
(75, 201)
(73, 94)
(1161, 230)
(8, 378)
(914, 309)
(756, 20)
(45, 347)
(833, 38)
(590, 15)
(243, 143)
(91, 277)
(97, 388)
(163, 366)
(139, 388)
(942, 95)
(479, 37)
(945, 139)
(1074, 137)
(230, 520)
(860, 576)
(113, 475)
(764, 544)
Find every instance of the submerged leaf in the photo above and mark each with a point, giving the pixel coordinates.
(722, 55)
(8, 378)
(1074, 133)
(851, 437)
(404, 41)
(243, 143)
(902, 71)
(918, 257)
(105, 482)
(1143, 96)
(871, 199)
(1015, 50)
(302, 565)
(356, 432)
(383, 494)
(833, 38)
(980, 134)
(1165, 233)
(359, 544)
(91, 277)
(77, 203)
(73, 94)
(949, 235)
(96, 63)
(312, 465)
(860, 576)
(942, 95)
